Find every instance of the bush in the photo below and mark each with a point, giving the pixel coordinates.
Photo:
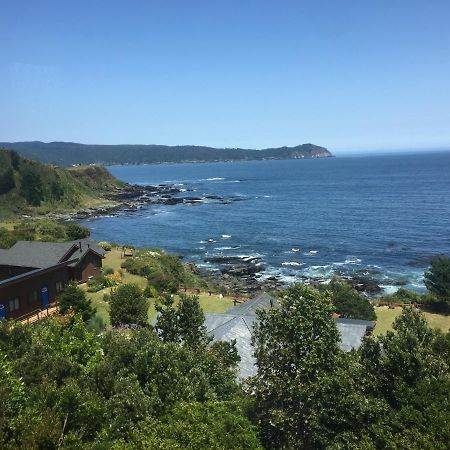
(107, 270)
(99, 282)
(74, 298)
(105, 246)
(75, 231)
(128, 306)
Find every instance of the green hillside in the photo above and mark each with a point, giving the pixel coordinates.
(69, 153)
(29, 188)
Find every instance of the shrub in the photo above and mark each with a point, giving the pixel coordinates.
(105, 246)
(107, 270)
(128, 306)
(99, 282)
(74, 298)
(75, 231)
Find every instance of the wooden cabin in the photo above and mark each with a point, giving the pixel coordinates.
(32, 274)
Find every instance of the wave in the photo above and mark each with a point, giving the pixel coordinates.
(227, 248)
(226, 236)
(292, 263)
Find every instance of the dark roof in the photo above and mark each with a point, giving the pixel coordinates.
(38, 255)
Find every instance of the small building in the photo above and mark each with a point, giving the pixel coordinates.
(237, 323)
(32, 274)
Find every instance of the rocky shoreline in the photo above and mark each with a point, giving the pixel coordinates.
(244, 275)
(133, 197)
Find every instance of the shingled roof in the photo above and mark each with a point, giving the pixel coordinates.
(39, 255)
(237, 323)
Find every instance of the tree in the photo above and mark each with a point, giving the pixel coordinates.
(56, 190)
(7, 181)
(75, 231)
(32, 186)
(15, 159)
(348, 301)
(75, 299)
(295, 346)
(183, 324)
(128, 306)
(437, 279)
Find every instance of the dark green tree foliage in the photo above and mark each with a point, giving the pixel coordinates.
(31, 186)
(75, 231)
(56, 190)
(15, 159)
(7, 181)
(390, 394)
(196, 426)
(184, 323)
(128, 306)
(74, 299)
(62, 386)
(295, 347)
(437, 279)
(7, 239)
(348, 301)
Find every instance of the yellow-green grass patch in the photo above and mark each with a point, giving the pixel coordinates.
(386, 317)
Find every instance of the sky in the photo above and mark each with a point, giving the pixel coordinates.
(353, 76)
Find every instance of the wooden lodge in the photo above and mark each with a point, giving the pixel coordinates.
(32, 274)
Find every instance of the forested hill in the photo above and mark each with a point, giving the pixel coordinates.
(28, 187)
(69, 153)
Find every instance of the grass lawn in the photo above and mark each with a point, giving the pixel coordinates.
(386, 316)
(209, 303)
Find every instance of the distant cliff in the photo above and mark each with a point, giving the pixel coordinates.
(70, 153)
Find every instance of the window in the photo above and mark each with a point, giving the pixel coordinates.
(14, 304)
(33, 297)
(59, 285)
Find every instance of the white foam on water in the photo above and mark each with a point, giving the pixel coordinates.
(226, 236)
(225, 248)
(292, 263)
(295, 250)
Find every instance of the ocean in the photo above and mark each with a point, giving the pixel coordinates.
(383, 216)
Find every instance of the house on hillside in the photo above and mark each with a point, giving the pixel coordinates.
(32, 274)
(237, 323)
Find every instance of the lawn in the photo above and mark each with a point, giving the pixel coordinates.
(386, 316)
(209, 303)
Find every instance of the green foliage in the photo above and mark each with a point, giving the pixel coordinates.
(196, 426)
(296, 345)
(40, 230)
(163, 271)
(6, 238)
(27, 187)
(32, 188)
(184, 323)
(75, 231)
(15, 159)
(100, 282)
(437, 279)
(74, 299)
(349, 302)
(7, 181)
(128, 306)
(105, 245)
(107, 271)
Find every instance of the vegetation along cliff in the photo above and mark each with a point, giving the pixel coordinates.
(70, 153)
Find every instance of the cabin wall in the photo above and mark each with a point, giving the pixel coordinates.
(23, 291)
(89, 267)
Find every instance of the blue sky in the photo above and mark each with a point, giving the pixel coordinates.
(349, 75)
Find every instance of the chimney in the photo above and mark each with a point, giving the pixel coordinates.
(80, 248)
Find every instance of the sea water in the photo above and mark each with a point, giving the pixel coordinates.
(384, 216)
